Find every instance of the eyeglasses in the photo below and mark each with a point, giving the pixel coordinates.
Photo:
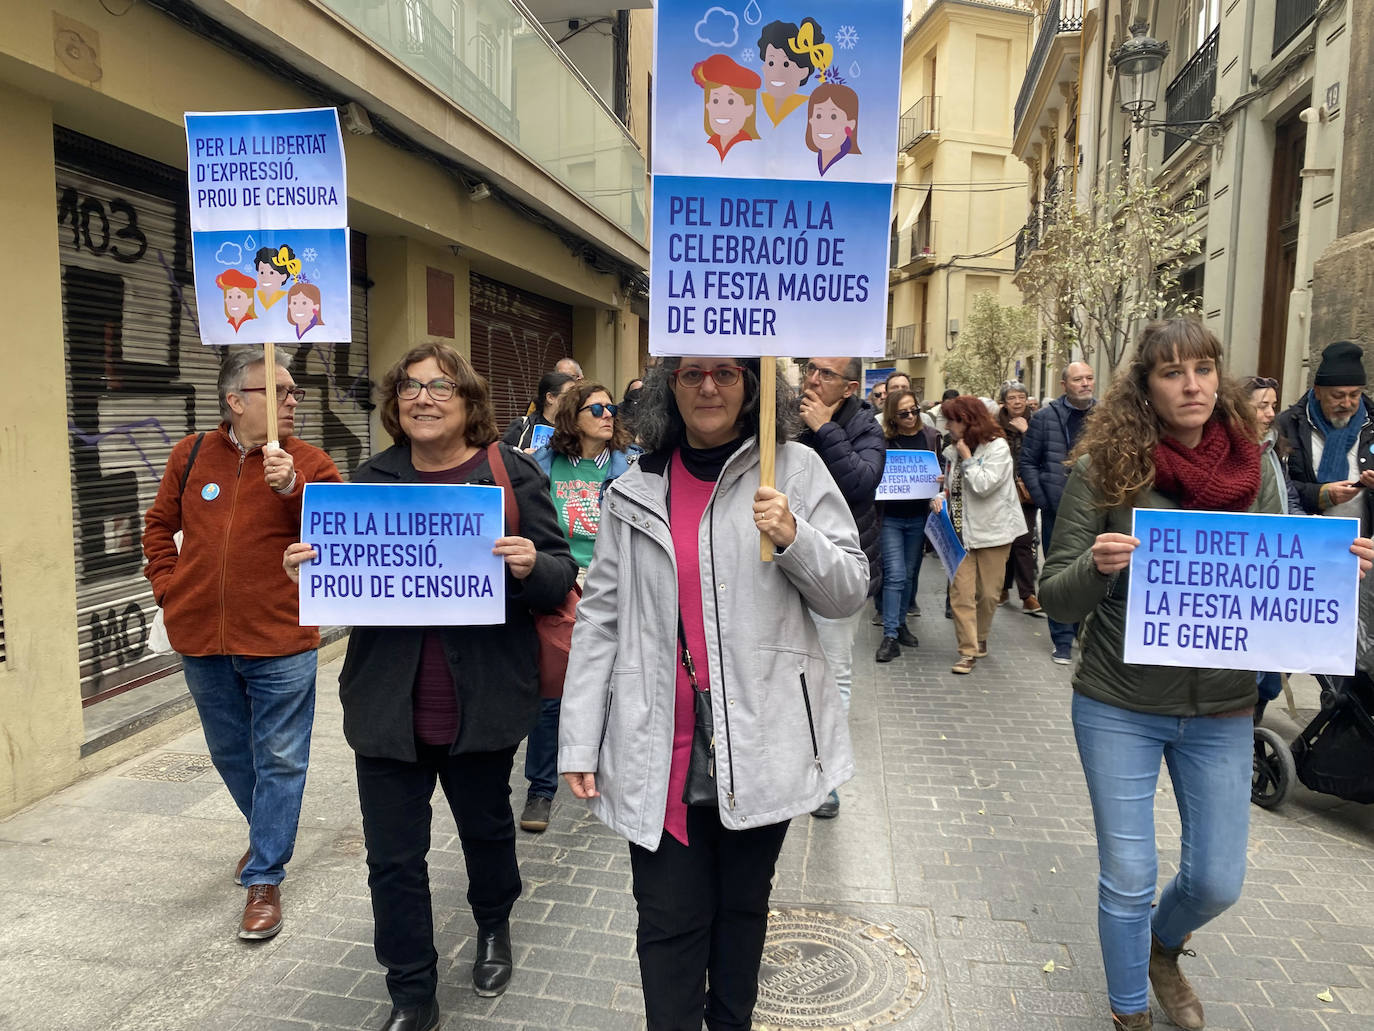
(438, 389)
(721, 376)
(282, 393)
(1262, 383)
(906, 413)
(826, 375)
(598, 410)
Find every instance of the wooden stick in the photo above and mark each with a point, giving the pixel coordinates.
(269, 369)
(768, 438)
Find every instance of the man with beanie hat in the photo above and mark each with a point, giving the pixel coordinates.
(1330, 434)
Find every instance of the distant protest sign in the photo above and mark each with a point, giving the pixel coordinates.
(945, 541)
(774, 155)
(909, 475)
(402, 555)
(269, 226)
(540, 436)
(1236, 591)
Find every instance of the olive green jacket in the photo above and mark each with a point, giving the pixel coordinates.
(1073, 591)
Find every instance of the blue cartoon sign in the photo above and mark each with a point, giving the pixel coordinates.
(269, 226)
(1250, 592)
(402, 555)
(940, 532)
(909, 475)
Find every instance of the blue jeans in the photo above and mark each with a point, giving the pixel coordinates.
(902, 542)
(1062, 634)
(257, 715)
(1210, 760)
(541, 750)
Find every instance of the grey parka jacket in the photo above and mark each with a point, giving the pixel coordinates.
(782, 742)
(1073, 591)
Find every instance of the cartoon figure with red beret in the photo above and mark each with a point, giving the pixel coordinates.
(729, 94)
(238, 296)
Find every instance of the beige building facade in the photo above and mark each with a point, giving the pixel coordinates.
(960, 193)
(497, 201)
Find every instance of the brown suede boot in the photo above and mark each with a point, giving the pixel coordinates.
(1176, 996)
(1133, 1021)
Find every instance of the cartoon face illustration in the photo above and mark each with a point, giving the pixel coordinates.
(790, 55)
(236, 303)
(783, 74)
(729, 91)
(303, 307)
(238, 296)
(832, 124)
(270, 278)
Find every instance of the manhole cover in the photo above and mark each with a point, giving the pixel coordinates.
(174, 766)
(833, 971)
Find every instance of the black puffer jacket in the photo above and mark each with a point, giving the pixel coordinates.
(1295, 426)
(852, 446)
(1045, 448)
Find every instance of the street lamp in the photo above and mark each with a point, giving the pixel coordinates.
(1138, 62)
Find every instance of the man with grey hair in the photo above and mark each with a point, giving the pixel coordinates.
(232, 613)
(569, 367)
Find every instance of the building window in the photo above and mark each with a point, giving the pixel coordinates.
(486, 58)
(1196, 20)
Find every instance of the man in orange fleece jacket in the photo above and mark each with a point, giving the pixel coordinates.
(232, 613)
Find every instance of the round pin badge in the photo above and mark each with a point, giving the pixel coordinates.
(210, 491)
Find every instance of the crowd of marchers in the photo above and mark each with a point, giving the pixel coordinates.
(708, 703)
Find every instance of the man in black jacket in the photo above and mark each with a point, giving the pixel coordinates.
(1048, 442)
(841, 428)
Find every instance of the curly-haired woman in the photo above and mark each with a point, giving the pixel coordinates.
(1172, 433)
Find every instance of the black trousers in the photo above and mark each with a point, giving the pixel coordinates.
(703, 914)
(1021, 558)
(397, 817)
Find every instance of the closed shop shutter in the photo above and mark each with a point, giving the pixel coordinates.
(139, 379)
(517, 336)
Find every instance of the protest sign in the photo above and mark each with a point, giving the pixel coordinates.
(909, 474)
(946, 542)
(872, 377)
(269, 226)
(1219, 590)
(540, 436)
(402, 555)
(774, 154)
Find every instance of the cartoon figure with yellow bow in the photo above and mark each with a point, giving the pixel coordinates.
(275, 270)
(789, 55)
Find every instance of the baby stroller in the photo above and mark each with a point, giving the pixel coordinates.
(1334, 754)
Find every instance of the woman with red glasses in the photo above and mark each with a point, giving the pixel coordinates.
(680, 613)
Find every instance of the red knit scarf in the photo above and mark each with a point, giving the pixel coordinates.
(1221, 474)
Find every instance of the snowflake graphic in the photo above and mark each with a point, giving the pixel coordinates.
(747, 56)
(847, 38)
(309, 254)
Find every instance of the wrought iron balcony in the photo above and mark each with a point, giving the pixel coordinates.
(1061, 16)
(1290, 18)
(1028, 239)
(902, 342)
(914, 244)
(919, 121)
(1189, 96)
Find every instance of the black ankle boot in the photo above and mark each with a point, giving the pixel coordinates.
(414, 1018)
(492, 969)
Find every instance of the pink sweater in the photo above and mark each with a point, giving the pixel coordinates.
(687, 505)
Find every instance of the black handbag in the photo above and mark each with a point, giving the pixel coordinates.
(700, 787)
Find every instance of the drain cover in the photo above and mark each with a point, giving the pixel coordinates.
(835, 972)
(173, 766)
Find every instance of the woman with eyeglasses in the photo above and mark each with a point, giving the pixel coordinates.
(980, 491)
(679, 610)
(589, 449)
(902, 536)
(446, 703)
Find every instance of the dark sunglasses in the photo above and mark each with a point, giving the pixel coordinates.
(598, 410)
(906, 413)
(1261, 383)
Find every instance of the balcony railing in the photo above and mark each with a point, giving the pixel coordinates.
(493, 60)
(914, 244)
(919, 121)
(1060, 16)
(902, 343)
(1290, 18)
(1027, 239)
(1043, 214)
(1189, 96)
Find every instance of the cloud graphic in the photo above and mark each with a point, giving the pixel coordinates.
(229, 254)
(718, 28)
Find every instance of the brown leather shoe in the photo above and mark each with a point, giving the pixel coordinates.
(1031, 606)
(1176, 996)
(262, 914)
(238, 870)
(1133, 1021)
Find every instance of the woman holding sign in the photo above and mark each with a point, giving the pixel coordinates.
(702, 716)
(1172, 433)
(446, 703)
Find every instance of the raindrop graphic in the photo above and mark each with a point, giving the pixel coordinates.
(752, 14)
(249, 243)
(854, 70)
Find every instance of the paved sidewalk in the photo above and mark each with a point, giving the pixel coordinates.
(961, 867)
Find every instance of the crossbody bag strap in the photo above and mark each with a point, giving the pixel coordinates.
(501, 475)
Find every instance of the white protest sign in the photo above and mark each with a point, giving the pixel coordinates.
(402, 555)
(909, 475)
(945, 542)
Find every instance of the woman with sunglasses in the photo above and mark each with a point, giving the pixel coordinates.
(589, 449)
(678, 610)
(902, 536)
(446, 703)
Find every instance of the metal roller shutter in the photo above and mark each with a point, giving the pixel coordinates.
(139, 379)
(517, 336)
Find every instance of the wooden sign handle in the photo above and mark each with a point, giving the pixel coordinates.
(269, 354)
(768, 438)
